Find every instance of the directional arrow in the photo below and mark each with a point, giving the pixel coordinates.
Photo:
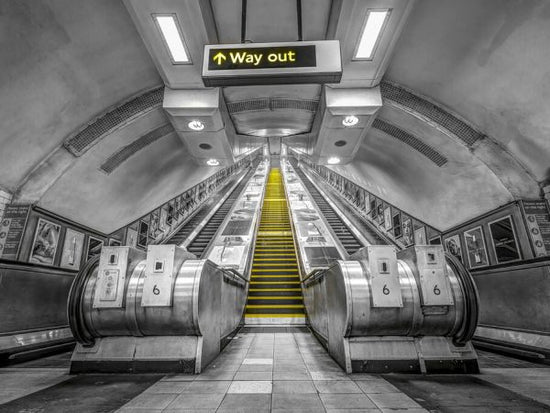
(219, 58)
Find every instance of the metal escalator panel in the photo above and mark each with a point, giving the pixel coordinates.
(201, 241)
(350, 243)
(275, 295)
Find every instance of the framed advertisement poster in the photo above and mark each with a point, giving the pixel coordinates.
(387, 219)
(420, 236)
(452, 245)
(154, 224)
(397, 225)
(44, 245)
(475, 247)
(407, 232)
(72, 250)
(142, 236)
(131, 237)
(504, 239)
(94, 247)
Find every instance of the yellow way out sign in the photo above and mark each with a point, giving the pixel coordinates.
(262, 57)
(263, 63)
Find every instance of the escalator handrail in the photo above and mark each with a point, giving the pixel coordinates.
(471, 302)
(314, 275)
(235, 273)
(74, 304)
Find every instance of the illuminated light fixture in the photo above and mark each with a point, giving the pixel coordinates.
(371, 33)
(173, 39)
(196, 125)
(212, 162)
(333, 160)
(350, 120)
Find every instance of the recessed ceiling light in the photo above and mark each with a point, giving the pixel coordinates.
(196, 125)
(212, 162)
(172, 37)
(333, 160)
(350, 121)
(371, 33)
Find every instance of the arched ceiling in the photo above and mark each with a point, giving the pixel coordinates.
(65, 65)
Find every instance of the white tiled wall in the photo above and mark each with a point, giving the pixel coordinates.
(5, 199)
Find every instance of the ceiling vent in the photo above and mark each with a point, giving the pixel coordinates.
(120, 156)
(250, 105)
(267, 104)
(457, 127)
(91, 134)
(410, 140)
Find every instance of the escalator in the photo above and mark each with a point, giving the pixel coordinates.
(199, 244)
(275, 295)
(350, 243)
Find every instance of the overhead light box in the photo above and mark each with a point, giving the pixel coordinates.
(372, 32)
(172, 37)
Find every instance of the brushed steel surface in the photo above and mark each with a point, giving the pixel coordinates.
(340, 303)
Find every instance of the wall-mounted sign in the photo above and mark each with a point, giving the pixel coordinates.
(538, 225)
(12, 228)
(272, 63)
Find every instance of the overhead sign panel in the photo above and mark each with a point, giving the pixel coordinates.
(272, 63)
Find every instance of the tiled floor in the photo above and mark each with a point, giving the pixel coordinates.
(279, 372)
(16, 383)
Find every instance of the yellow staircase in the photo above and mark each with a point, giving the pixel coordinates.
(275, 296)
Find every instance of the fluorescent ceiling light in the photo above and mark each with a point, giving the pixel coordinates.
(212, 162)
(172, 37)
(196, 125)
(350, 120)
(333, 161)
(371, 33)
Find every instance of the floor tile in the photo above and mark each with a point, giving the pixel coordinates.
(376, 386)
(245, 403)
(256, 367)
(250, 387)
(287, 402)
(288, 375)
(253, 375)
(335, 386)
(207, 387)
(197, 401)
(175, 387)
(258, 361)
(294, 387)
(393, 401)
(329, 375)
(215, 376)
(346, 401)
(151, 401)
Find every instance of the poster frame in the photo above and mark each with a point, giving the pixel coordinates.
(485, 249)
(454, 238)
(35, 237)
(494, 249)
(77, 260)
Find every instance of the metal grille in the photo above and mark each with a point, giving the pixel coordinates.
(116, 159)
(266, 104)
(294, 104)
(410, 140)
(87, 137)
(248, 105)
(461, 130)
